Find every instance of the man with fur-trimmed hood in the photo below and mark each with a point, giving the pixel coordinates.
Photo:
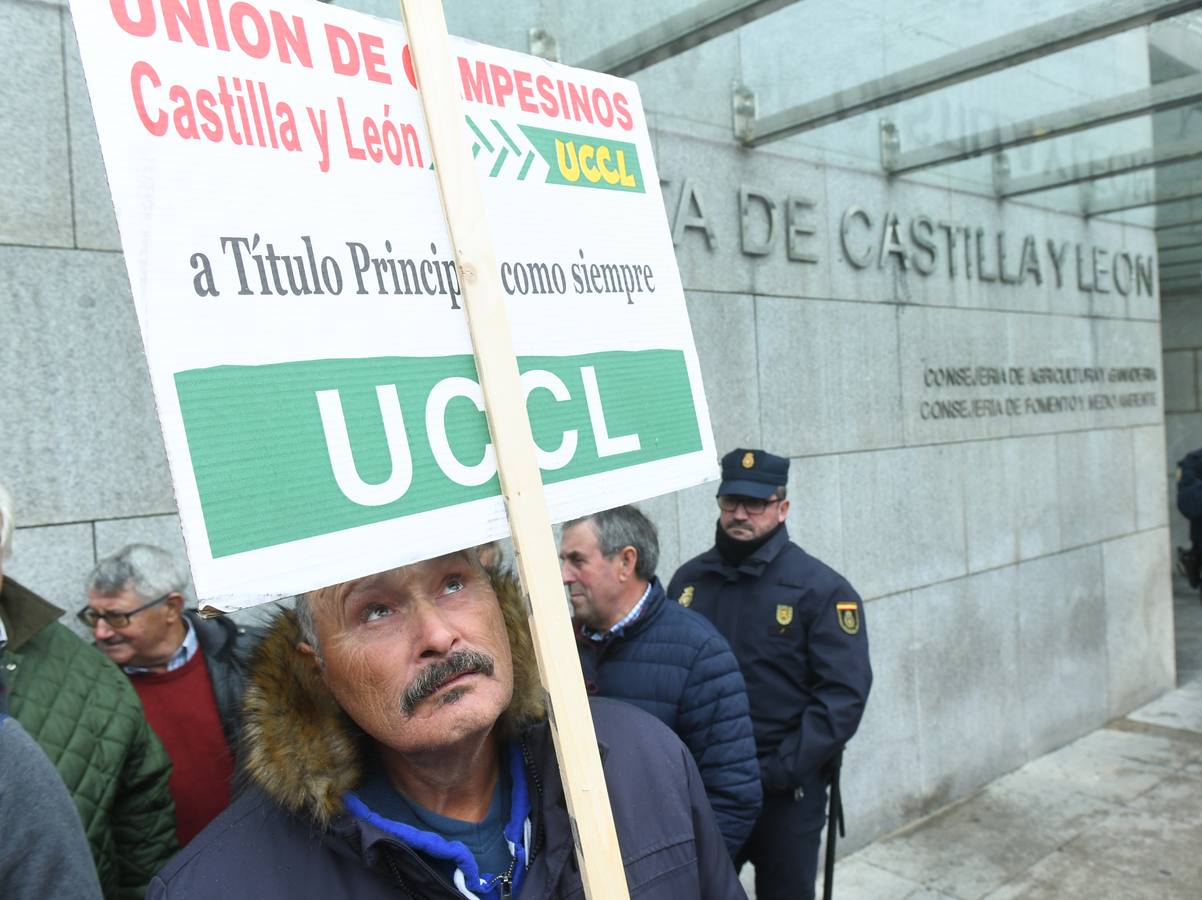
(394, 744)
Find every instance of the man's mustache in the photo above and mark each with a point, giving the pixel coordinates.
(435, 675)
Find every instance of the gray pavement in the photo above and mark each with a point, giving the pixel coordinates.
(1116, 814)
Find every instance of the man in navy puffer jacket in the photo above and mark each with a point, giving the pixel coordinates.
(637, 646)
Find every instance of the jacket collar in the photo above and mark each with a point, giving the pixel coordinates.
(753, 565)
(650, 610)
(552, 847)
(213, 635)
(24, 613)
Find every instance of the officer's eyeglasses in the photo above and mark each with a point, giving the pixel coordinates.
(754, 506)
(90, 616)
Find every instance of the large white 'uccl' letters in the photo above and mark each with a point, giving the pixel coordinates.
(550, 460)
(436, 431)
(342, 458)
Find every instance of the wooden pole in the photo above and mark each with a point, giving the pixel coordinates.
(521, 484)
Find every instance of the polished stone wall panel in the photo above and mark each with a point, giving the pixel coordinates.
(1062, 648)
(53, 562)
(35, 205)
(817, 395)
(81, 441)
(1181, 323)
(887, 750)
(1139, 629)
(815, 520)
(903, 519)
(724, 330)
(1011, 501)
(1097, 486)
(967, 724)
(95, 222)
(1152, 477)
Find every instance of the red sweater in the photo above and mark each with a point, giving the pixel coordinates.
(183, 712)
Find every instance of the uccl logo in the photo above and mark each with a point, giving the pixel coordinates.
(583, 161)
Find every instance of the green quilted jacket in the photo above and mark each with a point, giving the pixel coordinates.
(87, 717)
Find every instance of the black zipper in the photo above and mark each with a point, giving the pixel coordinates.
(531, 771)
(397, 876)
(388, 848)
(507, 879)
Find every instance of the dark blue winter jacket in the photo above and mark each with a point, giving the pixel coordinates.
(674, 664)
(670, 847)
(1189, 486)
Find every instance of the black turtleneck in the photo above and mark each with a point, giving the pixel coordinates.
(736, 551)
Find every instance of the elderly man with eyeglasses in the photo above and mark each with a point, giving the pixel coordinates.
(86, 717)
(189, 672)
(797, 629)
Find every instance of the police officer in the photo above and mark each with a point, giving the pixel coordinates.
(1189, 502)
(797, 628)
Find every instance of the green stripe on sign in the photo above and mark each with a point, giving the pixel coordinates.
(261, 451)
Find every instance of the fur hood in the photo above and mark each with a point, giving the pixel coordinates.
(298, 745)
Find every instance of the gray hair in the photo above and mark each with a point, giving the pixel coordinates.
(150, 572)
(6, 523)
(625, 526)
(306, 623)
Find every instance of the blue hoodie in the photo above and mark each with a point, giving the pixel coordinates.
(459, 863)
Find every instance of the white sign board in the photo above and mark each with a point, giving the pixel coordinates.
(299, 303)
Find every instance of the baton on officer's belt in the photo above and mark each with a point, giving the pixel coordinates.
(834, 816)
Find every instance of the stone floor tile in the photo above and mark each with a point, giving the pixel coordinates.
(1150, 848)
(1062, 877)
(1178, 797)
(1181, 708)
(858, 879)
(978, 845)
(1111, 765)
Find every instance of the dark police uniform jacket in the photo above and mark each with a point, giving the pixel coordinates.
(797, 628)
(1189, 492)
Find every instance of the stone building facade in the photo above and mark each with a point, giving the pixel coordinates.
(974, 393)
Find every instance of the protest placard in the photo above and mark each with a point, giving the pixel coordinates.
(300, 305)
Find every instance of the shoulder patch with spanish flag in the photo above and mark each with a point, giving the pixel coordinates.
(849, 616)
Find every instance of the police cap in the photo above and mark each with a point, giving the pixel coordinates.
(752, 473)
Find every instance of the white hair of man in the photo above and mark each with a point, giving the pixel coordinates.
(6, 523)
(150, 572)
